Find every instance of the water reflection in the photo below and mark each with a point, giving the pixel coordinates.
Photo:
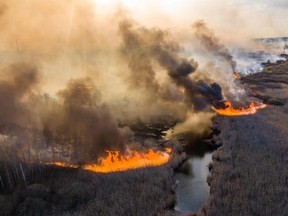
(192, 189)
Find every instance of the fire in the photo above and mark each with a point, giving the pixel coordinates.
(231, 111)
(62, 164)
(236, 75)
(115, 162)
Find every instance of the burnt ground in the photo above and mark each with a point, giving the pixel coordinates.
(250, 169)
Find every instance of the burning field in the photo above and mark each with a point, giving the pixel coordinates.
(98, 103)
(248, 172)
(229, 110)
(115, 162)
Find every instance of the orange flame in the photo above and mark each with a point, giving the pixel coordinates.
(62, 164)
(115, 162)
(236, 75)
(231, 111)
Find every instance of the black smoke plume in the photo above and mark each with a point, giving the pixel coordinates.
(77, 126)
(157, 48)
(86, 122)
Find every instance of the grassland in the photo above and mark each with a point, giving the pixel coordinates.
(62, 191)
(249, 171)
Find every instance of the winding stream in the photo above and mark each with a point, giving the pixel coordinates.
(192, 189)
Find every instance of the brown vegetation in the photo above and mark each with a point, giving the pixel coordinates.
(249, 172)
(63, 191)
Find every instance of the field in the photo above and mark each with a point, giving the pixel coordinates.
(62, 191)
(249, 172)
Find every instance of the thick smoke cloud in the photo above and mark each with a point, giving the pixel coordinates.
(17, 81)
(78, 124)
(136, 74)
(87, 121)
(158, 48)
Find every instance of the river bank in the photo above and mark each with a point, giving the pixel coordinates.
(249, 171)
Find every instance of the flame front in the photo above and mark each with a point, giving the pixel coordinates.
(231, 111)
(115, 162)
(236, 75)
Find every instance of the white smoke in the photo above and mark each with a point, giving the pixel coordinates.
(252, 62)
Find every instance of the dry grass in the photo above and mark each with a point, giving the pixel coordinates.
(61, 191)
(249, 172)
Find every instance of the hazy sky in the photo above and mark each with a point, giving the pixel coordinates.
(256, 18)
(263, 3)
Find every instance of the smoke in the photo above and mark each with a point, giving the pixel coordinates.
(194, 125)
(252, 62)
(155, 46)
(17, 81)
(68, 80)
(77, 119)
(212, 44)
(144, 75)
(87, 121)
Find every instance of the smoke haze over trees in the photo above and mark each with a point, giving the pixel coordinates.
(72, 79)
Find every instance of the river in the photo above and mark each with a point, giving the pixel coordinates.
(192, 189)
